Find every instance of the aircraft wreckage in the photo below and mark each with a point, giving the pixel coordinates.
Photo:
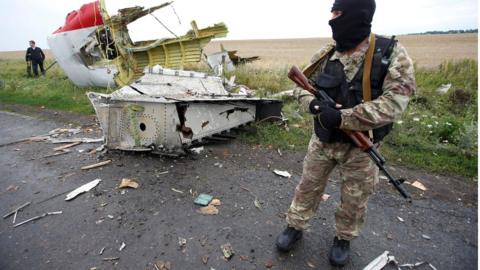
(159, 107)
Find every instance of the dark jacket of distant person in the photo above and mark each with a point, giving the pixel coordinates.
(35, 55)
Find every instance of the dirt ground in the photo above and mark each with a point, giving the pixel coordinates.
(439, 227)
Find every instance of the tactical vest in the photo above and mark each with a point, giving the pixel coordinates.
(334, 82)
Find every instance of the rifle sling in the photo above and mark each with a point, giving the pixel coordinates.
(367, 69)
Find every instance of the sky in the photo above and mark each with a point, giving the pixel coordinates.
(24, 20)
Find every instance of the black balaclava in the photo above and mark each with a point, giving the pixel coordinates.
(355, 23)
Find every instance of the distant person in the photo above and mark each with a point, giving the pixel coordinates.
(366, 106)
(35, 58)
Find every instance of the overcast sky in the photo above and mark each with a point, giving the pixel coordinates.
(23, 20)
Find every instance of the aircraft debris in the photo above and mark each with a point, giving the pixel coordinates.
(75, 140)
(177, 191)
(227, 60)
(122, 246)
(443, 89)
(16, 210)
(386, 258)
(203, 199)
(400, 219)
(182, 242)
(82, 189)
(287, 93)
(426, 237)
(227, 251)
(216, 202)
(381, 261)
(419, 185)
(95, 49)
(205, 259)
(197, 150)
(101, 251)
(111, 259)
(166, 111)
(418, 264)
(60, 148)
(37, 217)
(128, 183)
(163, 265)
(96, 165)
(282, 173)
(208, 210)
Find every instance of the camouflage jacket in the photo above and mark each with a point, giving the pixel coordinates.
(398, 87)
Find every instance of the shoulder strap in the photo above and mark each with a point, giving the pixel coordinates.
(308, 71)
(367, 68)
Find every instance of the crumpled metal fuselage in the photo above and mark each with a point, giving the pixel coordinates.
(95, 49)
(167, 111)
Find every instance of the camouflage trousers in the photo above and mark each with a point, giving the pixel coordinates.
(359, 176)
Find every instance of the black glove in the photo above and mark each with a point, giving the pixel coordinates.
(329, 117)
(314, 106)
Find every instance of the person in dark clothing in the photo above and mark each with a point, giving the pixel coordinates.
(36, 56)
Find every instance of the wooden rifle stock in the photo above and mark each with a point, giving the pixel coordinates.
(361, 140)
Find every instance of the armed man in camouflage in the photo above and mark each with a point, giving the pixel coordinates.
(338, 69)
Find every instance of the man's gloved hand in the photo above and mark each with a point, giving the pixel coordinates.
(314, 106)
(329, 117)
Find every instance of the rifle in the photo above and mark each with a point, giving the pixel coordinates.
(360, 139)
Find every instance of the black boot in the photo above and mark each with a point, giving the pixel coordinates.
(288, 238)
(340, 252)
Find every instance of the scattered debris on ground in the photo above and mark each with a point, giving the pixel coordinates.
(426, 237)
(282, 173)
(162, 265)
(62, 152)
(122, 246)
(15, 211)
(197, 150)
(96, 165)
(177, 191)
(386, 259)
(37, 217)
(419, 185)
(208, 210)
(216, 202)
(128, 183)
(111, 259)
(227, 251)
(205, 259)
(85, 188)
(325, 197)
(443, 89)
(203, 199)
(63, 147)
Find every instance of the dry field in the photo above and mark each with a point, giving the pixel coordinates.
(426, 50)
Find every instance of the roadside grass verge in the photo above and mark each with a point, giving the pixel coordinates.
(54, 91)
(437, 132)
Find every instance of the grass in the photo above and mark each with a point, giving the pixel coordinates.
(54, 91)
(437, 132)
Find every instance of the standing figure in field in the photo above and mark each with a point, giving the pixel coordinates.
(369, 103)
(35, 58)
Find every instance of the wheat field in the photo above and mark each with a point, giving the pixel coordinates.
(427, 51)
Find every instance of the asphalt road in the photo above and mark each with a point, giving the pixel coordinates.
(150, 220)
